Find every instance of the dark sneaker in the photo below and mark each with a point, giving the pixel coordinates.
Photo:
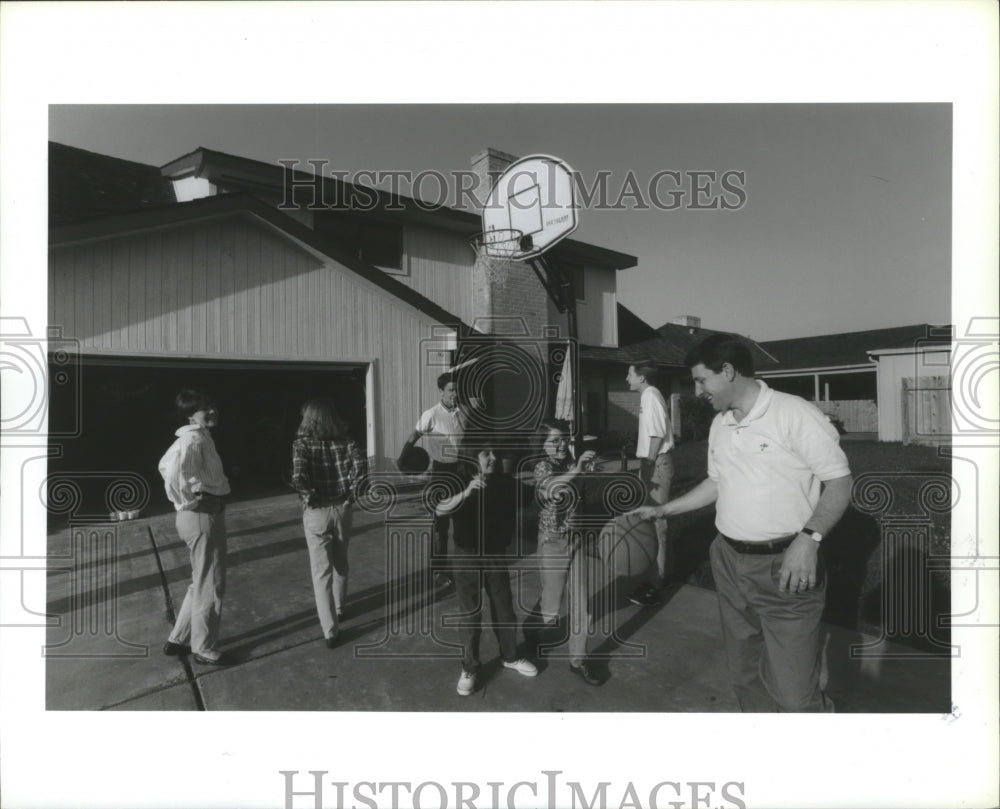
(585, 673)
(331, 642)
(644, 596)
(174, 649)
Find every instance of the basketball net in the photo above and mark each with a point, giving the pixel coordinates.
(494, 254)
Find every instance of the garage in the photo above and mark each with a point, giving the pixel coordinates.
(226, 294)
(125, 419)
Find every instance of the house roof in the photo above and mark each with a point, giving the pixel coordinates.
(632, 328)
(243, 204)
(851, 348)
(261, 177)
(86, 185)
(669, 347)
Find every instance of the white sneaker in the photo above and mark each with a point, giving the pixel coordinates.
(466, 684)
(522, 666)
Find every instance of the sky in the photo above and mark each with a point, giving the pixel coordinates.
(844, 223)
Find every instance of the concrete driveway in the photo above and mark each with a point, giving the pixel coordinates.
(117, 586)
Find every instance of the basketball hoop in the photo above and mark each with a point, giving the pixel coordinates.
(495, 250)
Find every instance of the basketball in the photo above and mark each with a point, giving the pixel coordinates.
(628, 546)
(415, 461)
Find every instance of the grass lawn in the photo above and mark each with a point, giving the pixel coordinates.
(885, 559)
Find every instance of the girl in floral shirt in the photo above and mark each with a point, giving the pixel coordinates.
(557, 494)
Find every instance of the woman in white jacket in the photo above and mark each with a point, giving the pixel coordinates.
(196, 485)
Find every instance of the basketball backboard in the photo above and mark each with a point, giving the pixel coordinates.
(535, 196)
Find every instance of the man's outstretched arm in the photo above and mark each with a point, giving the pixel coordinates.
(704, 494)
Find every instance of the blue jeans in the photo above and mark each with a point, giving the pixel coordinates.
(473, 574)
(441, 472)
(554, 556)
(563, 567)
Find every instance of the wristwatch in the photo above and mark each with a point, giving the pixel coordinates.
(816, 536)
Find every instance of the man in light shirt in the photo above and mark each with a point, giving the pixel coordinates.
(656, 470)
(779, 481)
(442, 426)
(196, 484)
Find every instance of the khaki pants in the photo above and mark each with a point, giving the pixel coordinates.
(200, 615)
(657, 476)
(327, 531)
(772, 638)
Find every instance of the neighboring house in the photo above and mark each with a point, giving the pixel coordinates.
(857, 377)
(914, 390)
(197, 274)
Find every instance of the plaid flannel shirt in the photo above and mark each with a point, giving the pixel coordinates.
(326, 472)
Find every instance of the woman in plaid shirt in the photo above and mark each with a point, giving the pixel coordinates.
(327, 467)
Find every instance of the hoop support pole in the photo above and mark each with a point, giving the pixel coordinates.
(544, 270)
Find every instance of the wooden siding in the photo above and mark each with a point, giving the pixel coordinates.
(597, 314)
(234, 289)
(439, 265)
(623, 407)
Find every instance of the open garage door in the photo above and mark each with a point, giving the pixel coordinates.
(126, 419)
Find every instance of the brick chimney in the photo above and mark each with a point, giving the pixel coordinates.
(488, 165)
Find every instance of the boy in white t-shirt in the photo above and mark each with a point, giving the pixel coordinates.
(442, 426)
(656, 470)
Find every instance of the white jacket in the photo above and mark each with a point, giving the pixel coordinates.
(191, 466)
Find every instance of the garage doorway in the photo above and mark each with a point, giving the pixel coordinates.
(127, 420)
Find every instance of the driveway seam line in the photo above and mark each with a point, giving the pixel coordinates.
(199, 699)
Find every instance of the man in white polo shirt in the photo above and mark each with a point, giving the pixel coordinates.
(654, 442)
(779, 481)
(442, 426)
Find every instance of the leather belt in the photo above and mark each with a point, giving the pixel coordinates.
(770, 547)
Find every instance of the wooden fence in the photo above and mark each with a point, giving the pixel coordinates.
(857, 415)
(926, 410)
